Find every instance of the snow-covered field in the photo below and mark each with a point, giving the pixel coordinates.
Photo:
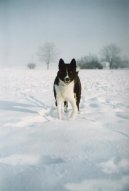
(40, 153)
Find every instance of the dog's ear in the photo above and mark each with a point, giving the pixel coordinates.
(73, 64)
(61, 63)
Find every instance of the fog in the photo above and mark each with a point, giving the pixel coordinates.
(76, 27)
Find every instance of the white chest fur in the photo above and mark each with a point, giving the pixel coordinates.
(65, 92)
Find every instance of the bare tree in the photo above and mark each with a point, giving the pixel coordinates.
(111, 54)
(48, 53)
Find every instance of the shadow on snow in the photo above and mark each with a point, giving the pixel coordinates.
(14, 106)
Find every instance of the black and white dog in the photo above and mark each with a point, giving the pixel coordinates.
(67, 88)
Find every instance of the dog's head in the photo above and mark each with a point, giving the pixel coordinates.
(67, 72)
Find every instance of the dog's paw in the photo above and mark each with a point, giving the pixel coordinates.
(73, 115)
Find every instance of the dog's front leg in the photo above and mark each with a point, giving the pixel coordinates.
(59, 108)
(74, 109)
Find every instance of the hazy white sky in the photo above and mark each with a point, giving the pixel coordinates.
(76, 27)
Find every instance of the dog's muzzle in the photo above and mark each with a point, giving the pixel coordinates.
(67, 80)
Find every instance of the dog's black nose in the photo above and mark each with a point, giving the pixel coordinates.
(67, 79)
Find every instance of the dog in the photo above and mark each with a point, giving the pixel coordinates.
(67, 88)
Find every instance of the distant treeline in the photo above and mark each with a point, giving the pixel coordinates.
(92, 62)
(89, 62)
(110, 58)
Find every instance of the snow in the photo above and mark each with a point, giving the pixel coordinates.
(38, 152)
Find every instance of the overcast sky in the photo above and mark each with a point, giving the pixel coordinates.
(76, 27)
